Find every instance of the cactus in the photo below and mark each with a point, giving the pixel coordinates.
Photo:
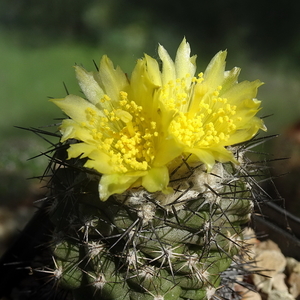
(150, 184)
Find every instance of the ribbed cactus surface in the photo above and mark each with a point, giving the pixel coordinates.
(141, 245)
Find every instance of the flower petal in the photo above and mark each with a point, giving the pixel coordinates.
(74, 107)
(73, 130)
(167, 150)
(184, 64)
(168, 67)
(100, 161)
(113, 80)
(230, 78)
(153, 70)
(214, 73)
(222, 155)
(246, 133)
(80, 149)
(157, 179)
(204, 156)
(89, 85)
(143, 87)
(114, 184)
(242, 91)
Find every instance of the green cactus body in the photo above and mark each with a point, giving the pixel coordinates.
(141, 245)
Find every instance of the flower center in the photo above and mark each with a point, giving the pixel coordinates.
(204, 120)
(125, 133)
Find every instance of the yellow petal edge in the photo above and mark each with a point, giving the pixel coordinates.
(132, 129)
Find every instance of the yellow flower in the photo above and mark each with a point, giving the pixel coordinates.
(132, 129)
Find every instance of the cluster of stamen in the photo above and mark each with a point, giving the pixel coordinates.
(176, 94)
(207, 120)
(125, 133)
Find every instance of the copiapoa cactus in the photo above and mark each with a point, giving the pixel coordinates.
(150, 187)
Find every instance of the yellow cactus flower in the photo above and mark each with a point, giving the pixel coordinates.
(132, 129)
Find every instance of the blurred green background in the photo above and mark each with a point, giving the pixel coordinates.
(40, 41)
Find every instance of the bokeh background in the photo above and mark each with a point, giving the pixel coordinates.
(40, 41)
